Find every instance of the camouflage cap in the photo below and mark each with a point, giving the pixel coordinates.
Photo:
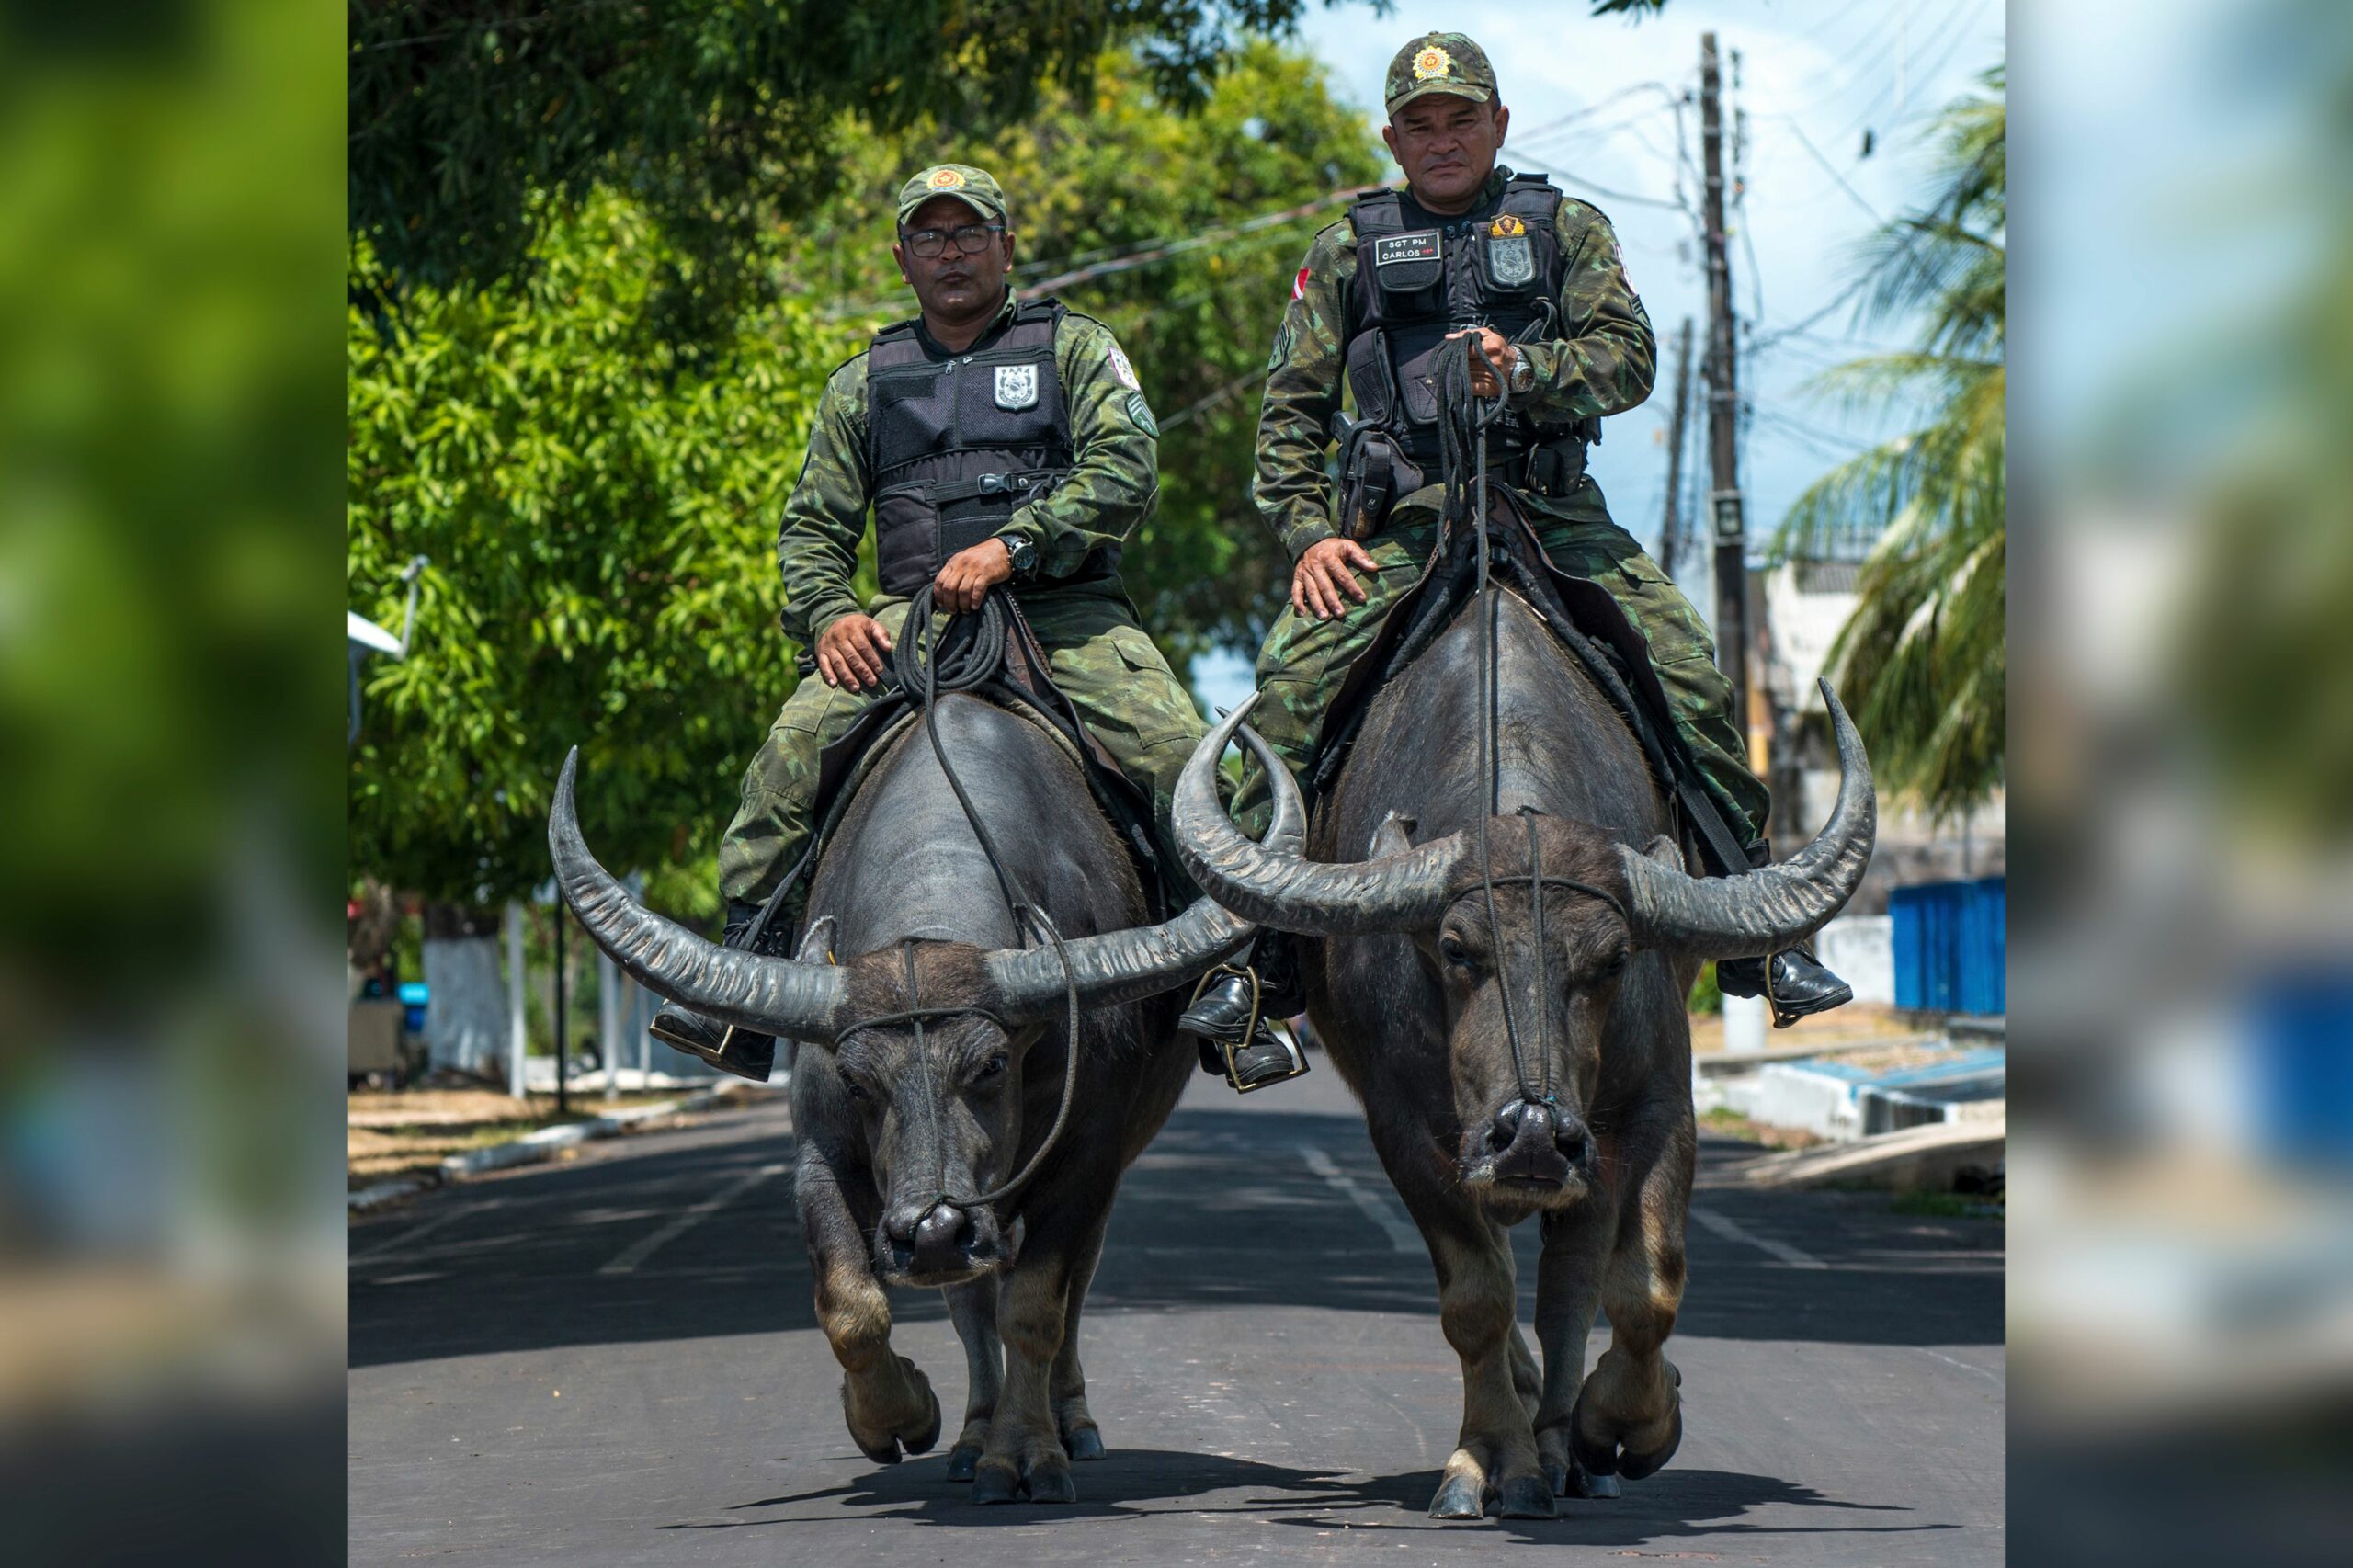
(1440, 63)
(976, 188)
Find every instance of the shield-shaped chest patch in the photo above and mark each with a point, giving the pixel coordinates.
(1511, 260)
(1016, 386)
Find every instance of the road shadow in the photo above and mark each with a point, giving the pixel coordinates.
(1142, 1483)
(1225, 1209)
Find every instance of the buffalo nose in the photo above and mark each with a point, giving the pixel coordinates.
(1506, 1124)
(1507, 1129)
(901, 1222)
(941, 1229)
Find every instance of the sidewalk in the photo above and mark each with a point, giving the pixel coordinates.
(403, 1142)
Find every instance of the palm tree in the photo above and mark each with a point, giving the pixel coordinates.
(1921, 663)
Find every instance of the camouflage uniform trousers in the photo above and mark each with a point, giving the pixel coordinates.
(1305, 660)
(1103, 661)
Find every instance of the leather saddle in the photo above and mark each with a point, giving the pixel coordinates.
(1024, 684)
(1590, 625)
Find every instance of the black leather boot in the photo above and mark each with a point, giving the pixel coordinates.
(1232, 1014)
(725, 1047)
(1793, 981)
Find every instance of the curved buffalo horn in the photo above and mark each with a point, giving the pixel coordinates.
(771, 995)
(1122, 966)
(1768, 909)
(1280, 887)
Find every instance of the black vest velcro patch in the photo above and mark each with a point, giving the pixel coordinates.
(1420, 246)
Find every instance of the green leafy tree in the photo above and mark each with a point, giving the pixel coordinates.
(599, 515)
(720, 116)
(598, 497)
(1922, 663)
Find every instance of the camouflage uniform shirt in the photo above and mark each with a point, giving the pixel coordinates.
(1113, 487)
(1605, 367)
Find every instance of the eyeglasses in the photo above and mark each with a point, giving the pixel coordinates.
(968, 238)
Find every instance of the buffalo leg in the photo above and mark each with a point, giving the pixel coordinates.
(885, 1398)
(1494, 1453)
(1024, 1451)
(1568, 1289)
(1629, 1416)
(973, 1308)
(1081, 1439)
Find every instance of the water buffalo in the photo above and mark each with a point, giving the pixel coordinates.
(902, 1134)
(1595, 937)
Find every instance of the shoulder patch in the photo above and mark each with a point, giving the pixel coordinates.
(1125, 372)
(1283, 340)
(1140, 412)
(1298, 285)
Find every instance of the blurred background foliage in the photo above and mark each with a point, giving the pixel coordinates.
(596, 474)
(161, 415)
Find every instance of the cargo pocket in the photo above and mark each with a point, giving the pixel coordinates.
(1152, 702)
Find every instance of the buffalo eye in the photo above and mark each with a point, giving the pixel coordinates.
(1451, 948)
(856, 1090)
(994, 1067)
(1616, 965)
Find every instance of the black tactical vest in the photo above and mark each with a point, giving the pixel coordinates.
(1499, 265)
(953, 444)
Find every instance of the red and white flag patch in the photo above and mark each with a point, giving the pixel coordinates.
(1298, 285)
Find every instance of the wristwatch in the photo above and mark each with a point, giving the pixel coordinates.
(1523, 374)
(1024, 554)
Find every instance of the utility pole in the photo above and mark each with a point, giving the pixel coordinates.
(1723, 403)
(1670, 536)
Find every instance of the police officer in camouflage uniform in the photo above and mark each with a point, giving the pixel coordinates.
(1470, 247)
(996, 441)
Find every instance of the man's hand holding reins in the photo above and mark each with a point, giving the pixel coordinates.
(969, 576)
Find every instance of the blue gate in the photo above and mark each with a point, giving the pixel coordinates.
(1951, 949)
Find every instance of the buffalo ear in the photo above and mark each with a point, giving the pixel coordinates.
(1666, 852)
(1393, 836)
(817, 947)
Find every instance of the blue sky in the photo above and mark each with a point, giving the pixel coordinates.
(1814, 74)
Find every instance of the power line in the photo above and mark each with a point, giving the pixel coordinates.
(1559, 174)
(1148, 253)
(1807, 143)
(1201, 405)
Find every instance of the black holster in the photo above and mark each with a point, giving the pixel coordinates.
(1557, 466)
(1374, 473)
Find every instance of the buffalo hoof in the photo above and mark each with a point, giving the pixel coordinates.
(1526, 1497)
(1605, 1454)
(1459, 1498)
(1084, 1444)
(884, 1447)
(1571, 1481)
(1050, 1482)
(963, 1460)
(996, 1481)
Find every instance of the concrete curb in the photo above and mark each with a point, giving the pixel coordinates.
(534, 1147)
(1915, 1159)
(1725, 1064)
(383, 1192)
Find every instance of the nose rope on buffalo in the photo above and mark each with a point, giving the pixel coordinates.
(1464, 418)
(925, 671)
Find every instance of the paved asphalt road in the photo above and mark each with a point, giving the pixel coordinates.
(615, 1361)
